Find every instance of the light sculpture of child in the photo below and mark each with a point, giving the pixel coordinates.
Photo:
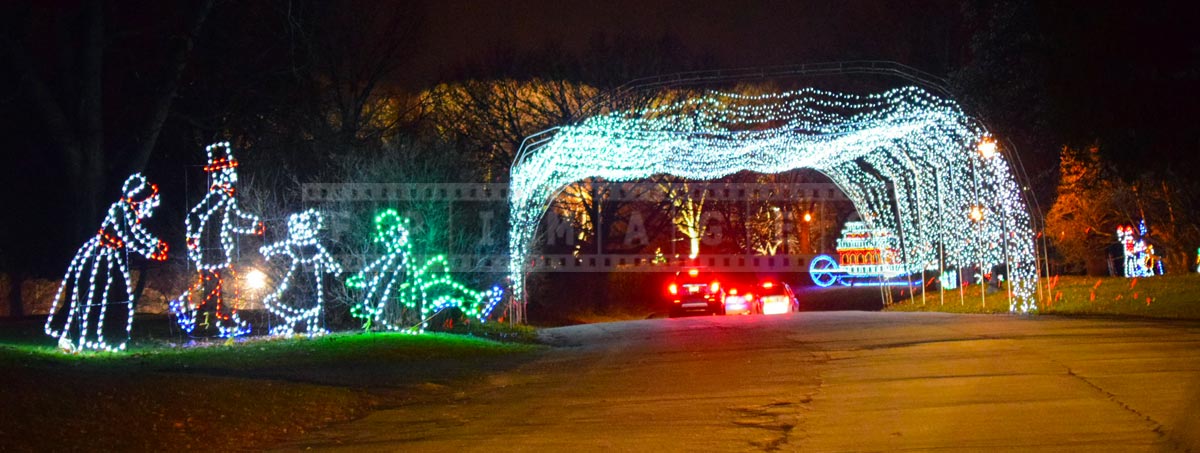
(307, 258)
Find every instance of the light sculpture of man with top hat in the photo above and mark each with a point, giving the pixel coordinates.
(211, 229)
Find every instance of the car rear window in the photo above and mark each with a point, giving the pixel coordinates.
(774, 290)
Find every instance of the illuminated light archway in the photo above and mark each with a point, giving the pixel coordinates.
(910, 161)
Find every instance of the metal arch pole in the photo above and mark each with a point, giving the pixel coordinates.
(1040, 225)
(979, 229)
(903, 240)
(920, 215)
(937, 181)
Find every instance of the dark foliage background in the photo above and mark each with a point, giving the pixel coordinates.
(310, 90)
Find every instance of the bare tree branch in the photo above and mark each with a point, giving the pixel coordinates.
(158, 111)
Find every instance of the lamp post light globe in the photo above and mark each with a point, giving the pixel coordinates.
(976, 213)
(255, 280)
(987, 147)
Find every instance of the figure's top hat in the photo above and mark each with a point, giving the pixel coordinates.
(220, 157)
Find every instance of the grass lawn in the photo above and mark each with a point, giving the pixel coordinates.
(241, 395)
(1168, 296)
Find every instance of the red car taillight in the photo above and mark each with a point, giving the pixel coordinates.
(714, 287)
(673, 288)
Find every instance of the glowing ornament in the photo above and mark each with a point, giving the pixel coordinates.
(911, 162)
(398, 297)
(211, 227)
(305, 254)
(100, 269)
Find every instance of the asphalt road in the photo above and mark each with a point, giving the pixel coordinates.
(832, 381)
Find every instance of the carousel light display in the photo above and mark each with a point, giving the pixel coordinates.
(211, 228)
(393, 292)
(305, 254)
(911, 162)
(100, 268)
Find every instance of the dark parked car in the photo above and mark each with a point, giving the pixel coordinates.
(695, 292)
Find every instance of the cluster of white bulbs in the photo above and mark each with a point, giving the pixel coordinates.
(910, 161)
(217, 212)
(101, 267)
(392, 289)
(302, 248)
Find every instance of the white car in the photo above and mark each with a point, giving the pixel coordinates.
(776, 298)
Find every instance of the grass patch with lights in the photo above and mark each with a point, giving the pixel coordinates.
(238, 395)
(1168, 296)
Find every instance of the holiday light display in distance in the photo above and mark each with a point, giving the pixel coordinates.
(99, 265)
(948, 279)
(218, 213)
(392, 288)
(910, 161)
(866, 256)
(1140, 260)
(304, 253)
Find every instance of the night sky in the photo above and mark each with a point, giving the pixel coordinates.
(733, 33)
(1044, 74)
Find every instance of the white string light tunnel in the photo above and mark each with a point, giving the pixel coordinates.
(910, 161)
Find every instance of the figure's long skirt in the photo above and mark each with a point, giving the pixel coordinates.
(93, 305)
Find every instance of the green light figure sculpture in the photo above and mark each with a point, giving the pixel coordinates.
(397, 297)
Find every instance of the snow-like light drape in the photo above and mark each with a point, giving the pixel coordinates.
(910, 162)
